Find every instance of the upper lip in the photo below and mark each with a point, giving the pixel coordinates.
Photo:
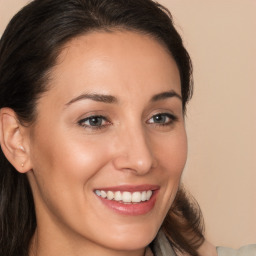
(130, 188)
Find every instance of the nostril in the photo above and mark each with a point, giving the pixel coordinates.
(134, 163)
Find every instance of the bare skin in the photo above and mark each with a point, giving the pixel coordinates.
(112, 117)
(129, 149)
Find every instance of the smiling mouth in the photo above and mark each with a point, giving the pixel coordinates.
(125, 197)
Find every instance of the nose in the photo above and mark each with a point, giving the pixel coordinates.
(134, 152)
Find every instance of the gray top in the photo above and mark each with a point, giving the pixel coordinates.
(248, 250)
(162, 247)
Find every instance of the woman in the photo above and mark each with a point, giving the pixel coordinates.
(93, 144)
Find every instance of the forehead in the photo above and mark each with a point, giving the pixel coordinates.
(114, 63)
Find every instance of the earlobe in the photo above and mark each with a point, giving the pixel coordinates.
(12, 139)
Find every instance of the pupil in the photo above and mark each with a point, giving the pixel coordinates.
(95, 121)
(159, 119)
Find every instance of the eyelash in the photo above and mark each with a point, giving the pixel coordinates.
(94, 127)
(172, 118)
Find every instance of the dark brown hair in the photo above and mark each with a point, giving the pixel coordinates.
(29, 48)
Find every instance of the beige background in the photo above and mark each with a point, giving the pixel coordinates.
(221, 121)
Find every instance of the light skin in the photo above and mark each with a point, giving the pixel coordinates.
(130, 84)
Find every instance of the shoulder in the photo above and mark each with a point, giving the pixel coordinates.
(248, 250)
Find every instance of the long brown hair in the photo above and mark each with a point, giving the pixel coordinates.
(184, 225)
(29, 48)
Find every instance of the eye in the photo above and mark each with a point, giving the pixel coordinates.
(94, 122)
(162, 119)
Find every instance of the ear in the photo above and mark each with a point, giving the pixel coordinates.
(13, 140)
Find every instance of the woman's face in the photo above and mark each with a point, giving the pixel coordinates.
(112, 125)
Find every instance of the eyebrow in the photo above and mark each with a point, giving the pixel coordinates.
(165, 95)
(95, 97)
(112, 99)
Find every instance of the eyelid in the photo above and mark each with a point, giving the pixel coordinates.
(89, 114)
(170, 115)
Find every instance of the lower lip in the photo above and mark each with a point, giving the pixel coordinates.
(132, 209)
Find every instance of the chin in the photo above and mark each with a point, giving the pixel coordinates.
(132, 240)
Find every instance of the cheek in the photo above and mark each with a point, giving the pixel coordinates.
(64, 170)
(64, 164)
(68, 162)
(172, 158)
(172, 154)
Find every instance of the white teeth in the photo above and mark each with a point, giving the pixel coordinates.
(136, 197)
(144, 196)
(118, 196)
(103, 194)
(125, 197)
(97, 192)
(149, 194)
(110, 195)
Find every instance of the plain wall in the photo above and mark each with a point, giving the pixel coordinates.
(221, 121)
(220, 36)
